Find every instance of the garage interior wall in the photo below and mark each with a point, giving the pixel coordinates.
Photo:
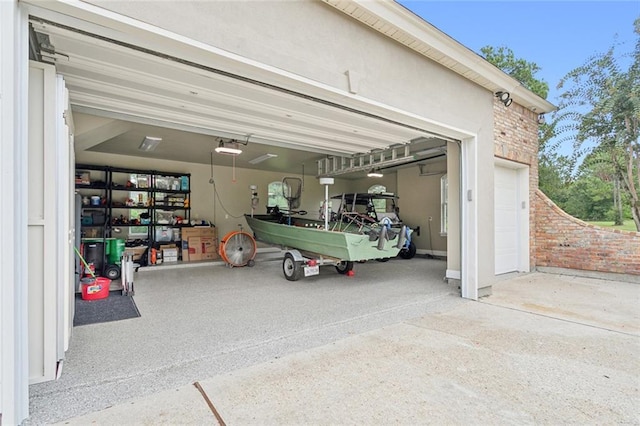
(419, 202)
(234, 195)
(230, 193)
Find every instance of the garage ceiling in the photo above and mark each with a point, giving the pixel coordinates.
(138, 92)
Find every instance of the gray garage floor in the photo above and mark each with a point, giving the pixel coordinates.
(544, 349)
(205, 321)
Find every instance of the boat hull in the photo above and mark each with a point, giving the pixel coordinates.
(310, 236)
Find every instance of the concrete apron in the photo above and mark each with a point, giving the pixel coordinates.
(542, 349)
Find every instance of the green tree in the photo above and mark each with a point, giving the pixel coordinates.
(595, 194)
(520, 69)
(601, 109)
(554, 176)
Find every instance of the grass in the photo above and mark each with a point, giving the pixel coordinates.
(628, 225)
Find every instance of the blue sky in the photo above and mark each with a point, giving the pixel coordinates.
(557, 35)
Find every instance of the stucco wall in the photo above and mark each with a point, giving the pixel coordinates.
(516, 139)
(566, 242)
(314, 40)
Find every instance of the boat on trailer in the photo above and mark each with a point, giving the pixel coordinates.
(310, 245)
(338, 240)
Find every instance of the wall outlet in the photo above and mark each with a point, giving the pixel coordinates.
(226, 216)
(430, 218)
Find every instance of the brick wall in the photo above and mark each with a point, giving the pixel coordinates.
(562, 241)
(515, 138)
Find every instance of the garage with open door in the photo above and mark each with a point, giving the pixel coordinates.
(147, 96)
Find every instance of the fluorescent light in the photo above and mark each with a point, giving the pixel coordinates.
(221, 149)
(436, 150)
(149, 143)
(227, 150)
(262, 158)
(375, 173)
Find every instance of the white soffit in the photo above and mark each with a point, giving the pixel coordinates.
(402, 25)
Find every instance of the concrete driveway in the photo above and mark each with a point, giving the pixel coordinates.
(543, 348)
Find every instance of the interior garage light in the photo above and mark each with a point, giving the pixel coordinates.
(262, 158)
(149, 143)
(375, 173)
(435, 150)
(221, 149)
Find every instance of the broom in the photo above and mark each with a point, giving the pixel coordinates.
(84, 262)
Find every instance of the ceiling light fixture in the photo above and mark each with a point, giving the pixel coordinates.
(149, 143)
(222, 149)
(262, 158)
(435, 150)
(376, 173)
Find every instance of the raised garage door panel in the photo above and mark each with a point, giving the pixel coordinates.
(506, 220)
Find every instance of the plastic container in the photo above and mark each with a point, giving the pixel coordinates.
(95, 288)
(115, 248)
(98, 218)
(94, 251)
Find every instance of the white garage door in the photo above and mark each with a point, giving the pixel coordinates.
(507, 241)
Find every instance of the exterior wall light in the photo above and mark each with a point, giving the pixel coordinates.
(504, 97)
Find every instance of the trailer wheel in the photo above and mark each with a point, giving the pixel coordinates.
(344, 267)
(409, 252)
(291, 268)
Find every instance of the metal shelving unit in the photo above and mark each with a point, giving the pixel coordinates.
(132, 200)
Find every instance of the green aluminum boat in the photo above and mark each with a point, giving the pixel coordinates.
(353, 238)
(339, 239)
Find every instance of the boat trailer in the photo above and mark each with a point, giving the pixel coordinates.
(297, 264)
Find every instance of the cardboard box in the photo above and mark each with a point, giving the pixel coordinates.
(137, 252)
(195, 248)
(209, 248)
(169, 251)
(192, 243)
(197, 231)
(170, 254)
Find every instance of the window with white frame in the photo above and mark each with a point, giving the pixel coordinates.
(444, 204)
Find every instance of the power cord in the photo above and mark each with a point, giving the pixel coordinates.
(217, 196)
